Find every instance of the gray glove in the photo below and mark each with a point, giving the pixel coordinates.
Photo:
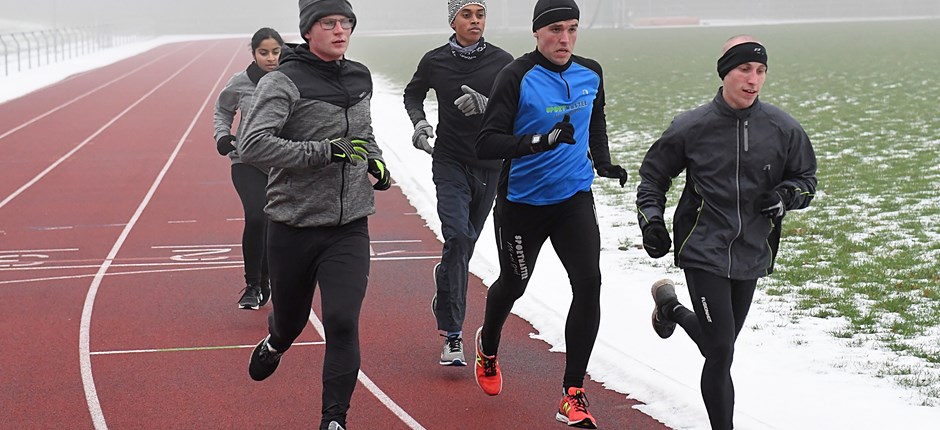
(423, 132)
(471, 102)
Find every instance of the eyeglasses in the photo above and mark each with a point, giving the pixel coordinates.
(329, 24)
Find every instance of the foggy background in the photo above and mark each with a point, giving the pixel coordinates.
(243, 16)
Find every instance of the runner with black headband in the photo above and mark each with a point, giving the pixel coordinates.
(747, 164)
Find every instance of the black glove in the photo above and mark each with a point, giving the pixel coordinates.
(562, 132)
(345, 150)
(471, 102)
(608, 170)
(224, 144)
(656, 239)
(378, 171)
(771, 203)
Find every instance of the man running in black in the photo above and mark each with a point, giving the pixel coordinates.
(461, 73)
(747, 163)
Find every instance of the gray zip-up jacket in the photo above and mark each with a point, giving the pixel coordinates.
(235, 97)
(731, 157)
(297, 110)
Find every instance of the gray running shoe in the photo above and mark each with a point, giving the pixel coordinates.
(335, 426)
(664, 294)
(264, 360)
(452, 355)
(251, 297)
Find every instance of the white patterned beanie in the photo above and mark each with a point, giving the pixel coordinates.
(454, 6)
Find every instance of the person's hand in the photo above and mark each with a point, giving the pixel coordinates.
(562, 132)
(378, 170)
(423, 132)
(771, 204)
(608, 170)
(345, 150)
(656, 239)
(471, 102)
(224, 144)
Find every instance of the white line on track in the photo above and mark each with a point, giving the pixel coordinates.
(39, 250)
(89, 138)
(136, 272)
(84, 352)
(96, 89)
(372, 387)
(196, 348)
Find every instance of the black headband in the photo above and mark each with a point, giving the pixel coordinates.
(739, 54)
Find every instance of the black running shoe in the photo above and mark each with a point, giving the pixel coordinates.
(251, 297)
(265, 292)
(664, 294)
(264, 360)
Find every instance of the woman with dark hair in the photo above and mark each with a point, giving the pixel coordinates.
(249, 180)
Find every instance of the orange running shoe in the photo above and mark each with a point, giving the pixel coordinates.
(573, 410)
(489, 377)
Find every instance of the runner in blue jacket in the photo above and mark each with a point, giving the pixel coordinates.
(546, 120)
(747, 164)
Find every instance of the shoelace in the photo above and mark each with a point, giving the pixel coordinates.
(489, 366)
(454, 344)
(579, 400)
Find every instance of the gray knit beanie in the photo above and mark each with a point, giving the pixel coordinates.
(312, 10)
(551, 11)
(454, 7)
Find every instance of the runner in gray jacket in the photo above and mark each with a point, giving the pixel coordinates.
(266, 45)
(747, 163)
(310, 123)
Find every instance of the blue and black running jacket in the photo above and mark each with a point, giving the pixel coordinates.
(529, 96)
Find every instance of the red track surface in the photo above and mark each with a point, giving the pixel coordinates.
(166, 346)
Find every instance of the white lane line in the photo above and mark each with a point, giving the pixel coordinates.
(234, 245)
(39, 250)
(372, 387)
(96, 89)
(136, 272)
(196, 348)
(184, 263)
(84, 351)
(93, 135)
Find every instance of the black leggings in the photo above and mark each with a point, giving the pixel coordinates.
(336, 259)
(521, 230)
(721, 305)
(250, 183)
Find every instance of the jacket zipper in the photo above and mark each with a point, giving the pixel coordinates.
(737, 185)
(342, 188)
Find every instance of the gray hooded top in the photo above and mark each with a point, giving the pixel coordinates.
(297, 109)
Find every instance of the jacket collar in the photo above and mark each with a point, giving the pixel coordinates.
(255, 72)
(546, 63)
(727, 110)
(301, 53)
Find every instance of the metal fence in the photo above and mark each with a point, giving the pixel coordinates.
(29, 49)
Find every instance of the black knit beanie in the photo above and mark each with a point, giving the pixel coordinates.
(312, 10)
(551, 11)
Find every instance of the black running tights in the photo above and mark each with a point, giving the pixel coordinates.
(250, 183)
(721, 305)
(520, 232)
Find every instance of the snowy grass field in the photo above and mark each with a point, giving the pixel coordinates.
(863, 257)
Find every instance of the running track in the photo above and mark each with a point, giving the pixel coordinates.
(120, 267)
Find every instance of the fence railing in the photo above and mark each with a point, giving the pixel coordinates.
(29, 49)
